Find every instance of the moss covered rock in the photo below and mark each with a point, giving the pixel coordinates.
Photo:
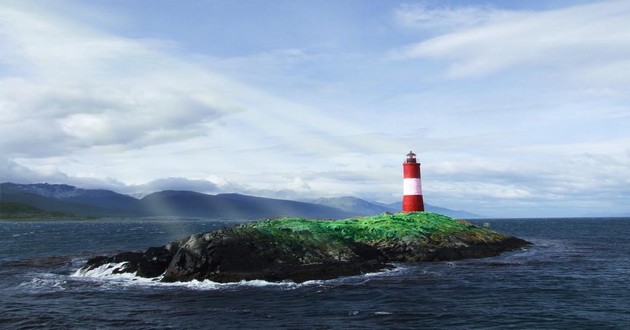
(299, 249)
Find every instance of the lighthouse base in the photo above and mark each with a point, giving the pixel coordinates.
(413, 203)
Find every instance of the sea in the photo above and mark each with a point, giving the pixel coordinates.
(576, 275)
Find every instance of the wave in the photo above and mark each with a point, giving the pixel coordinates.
(45, 282)
(107, 275)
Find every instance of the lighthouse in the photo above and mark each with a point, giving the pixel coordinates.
(412, 185)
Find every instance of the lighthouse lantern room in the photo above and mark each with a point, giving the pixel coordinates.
(412, 185)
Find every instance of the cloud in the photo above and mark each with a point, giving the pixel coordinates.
(532, 112)
(423, 17)
(556, 182)
(12, 171)
(66, 87)
(583, 42)
(74, 88)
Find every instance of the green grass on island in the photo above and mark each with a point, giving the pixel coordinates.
(383, 229)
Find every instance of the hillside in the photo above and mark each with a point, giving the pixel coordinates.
(52, 198)
(20, 211)
(105, 203)
(354, 205)
(231, 206)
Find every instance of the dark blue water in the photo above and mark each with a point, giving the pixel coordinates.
(575, 276)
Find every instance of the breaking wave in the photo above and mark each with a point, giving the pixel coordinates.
(107, 275)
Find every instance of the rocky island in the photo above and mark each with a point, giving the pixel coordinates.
(299, 249)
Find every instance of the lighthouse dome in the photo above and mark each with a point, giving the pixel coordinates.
(411, 157)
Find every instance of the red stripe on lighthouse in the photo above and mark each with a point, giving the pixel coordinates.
(412, 185)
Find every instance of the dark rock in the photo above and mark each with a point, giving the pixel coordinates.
(241, 253)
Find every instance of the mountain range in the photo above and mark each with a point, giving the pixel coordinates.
(106, 203)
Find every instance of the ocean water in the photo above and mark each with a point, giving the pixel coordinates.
(576, 275)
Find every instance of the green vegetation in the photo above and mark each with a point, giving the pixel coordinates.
(422, 226)
(298, 249)
(21, 211)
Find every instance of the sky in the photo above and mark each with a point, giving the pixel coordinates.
(514, 108)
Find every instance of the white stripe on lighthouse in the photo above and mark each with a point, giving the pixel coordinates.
(412, 186)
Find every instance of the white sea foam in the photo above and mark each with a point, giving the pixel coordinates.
(397, 270)
(210, 285)
(23, 234)
(105, 274)
(105, 270)
(383, 313)
(45, 282)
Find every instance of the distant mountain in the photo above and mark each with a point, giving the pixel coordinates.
(354, 205)
(105, 203)
(58, 198)
(286, 207)
(361, 207)
(460, 214)
(236, 206)
(59, 191)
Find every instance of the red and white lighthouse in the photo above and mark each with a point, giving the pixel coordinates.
(412, 185)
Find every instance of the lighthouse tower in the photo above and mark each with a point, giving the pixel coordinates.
(412, 185)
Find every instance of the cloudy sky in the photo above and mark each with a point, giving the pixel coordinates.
(515, 108)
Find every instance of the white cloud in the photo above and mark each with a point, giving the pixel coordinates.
(557, 181)
(421, 16)
(543, 90)
(585, 41)
(85, 88)
(79, 88)
(12, 171)
(98, 105)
